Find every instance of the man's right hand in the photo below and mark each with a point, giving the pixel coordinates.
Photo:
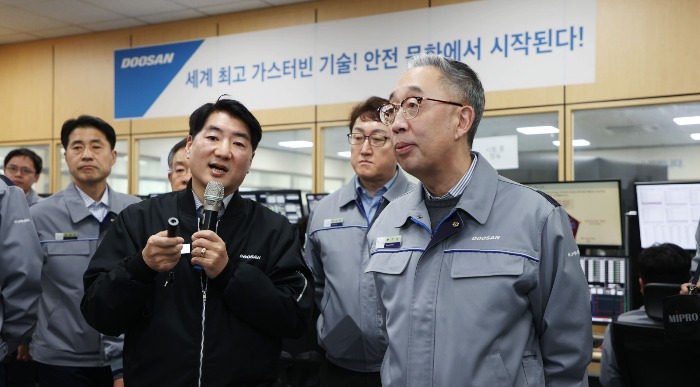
(162, 252)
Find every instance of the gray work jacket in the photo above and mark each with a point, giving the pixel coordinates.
(69, 234)
(20, 268)
(496, 297)
(337, 253)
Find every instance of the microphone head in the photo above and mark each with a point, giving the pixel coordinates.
(214, 193)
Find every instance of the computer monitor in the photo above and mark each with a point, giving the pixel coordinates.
(284, 202)
(668, 212)
(593, 207)
(608, 279)
(312, 199)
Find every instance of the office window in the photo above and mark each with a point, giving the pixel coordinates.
(337, 169)
(521, 146)
(282, 161)
(118, 179)
(153, 164)
(42, 185)
(637, 143)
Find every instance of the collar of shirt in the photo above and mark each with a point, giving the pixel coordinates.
(98, 209)
(370, 203)
(458, 188)
(199, 206)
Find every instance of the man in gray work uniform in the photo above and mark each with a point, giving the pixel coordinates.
(478, 277)
(21, 269)
(336, 251)
(70, 225)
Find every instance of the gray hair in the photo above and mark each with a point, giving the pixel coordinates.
(460, 80)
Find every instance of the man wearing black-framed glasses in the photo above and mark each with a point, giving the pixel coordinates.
(478, 277)
(337, 254)
(23, 166)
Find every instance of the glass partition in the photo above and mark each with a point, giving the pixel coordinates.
(153, 164)
(522, 147)
(337, 169)
(637, 143)
(282, 160)
(42, 186)
(118, 179)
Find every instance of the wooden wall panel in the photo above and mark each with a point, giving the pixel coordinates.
(263, 19)
(173, 32)
(26, 87)
(645, 48)
(84, 69)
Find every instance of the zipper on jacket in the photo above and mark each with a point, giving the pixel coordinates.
(204, 317)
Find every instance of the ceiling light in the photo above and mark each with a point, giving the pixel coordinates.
(695, 136)
(296, 144)
(694, 120)
(537, 130)
(576, 142)
(344, 154)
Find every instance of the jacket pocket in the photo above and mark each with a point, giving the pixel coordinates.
(500, 375)
(389, 262)
(486, 264)
(75, 247)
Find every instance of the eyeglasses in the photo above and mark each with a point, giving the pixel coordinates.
(23, 170)
(376, 140)
(409, 106)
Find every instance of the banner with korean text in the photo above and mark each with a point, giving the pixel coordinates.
(511, 44)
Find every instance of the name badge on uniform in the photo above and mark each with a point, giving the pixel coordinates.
(61, 236)
(334, 222)
(390, 242)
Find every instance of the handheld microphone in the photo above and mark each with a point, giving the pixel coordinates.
(213, 199)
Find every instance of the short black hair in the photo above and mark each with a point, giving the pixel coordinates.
(231, 107)
(367, 110)
(664, 263)
(36, 160)
(86, 121)
(180, 144)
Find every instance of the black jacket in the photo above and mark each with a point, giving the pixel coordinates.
(263, 295)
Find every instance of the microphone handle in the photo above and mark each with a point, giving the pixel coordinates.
(208, 223)
(209, 220)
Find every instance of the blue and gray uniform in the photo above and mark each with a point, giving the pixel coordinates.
(337, 252)
(33, 198)
(69, 235)
(610, 375)
(494, 297)
(20, 262)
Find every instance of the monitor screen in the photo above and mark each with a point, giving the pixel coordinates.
(284, 202)
(668, 212)
(608, 283)
(593, 207)
(312, 199)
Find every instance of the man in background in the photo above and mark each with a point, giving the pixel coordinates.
(23, 166)
(337, 252)
(70, 225)
(20, 271)
(179, 167)
(665, 263)
(478, 277)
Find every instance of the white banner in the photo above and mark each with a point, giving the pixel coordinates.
(511, 44)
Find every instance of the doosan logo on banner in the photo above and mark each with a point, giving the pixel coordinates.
(148, 60)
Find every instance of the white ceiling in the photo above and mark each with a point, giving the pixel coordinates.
(27, 20)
